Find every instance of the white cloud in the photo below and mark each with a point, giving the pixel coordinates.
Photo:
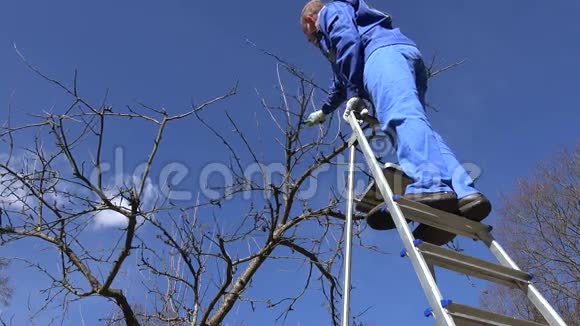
(112, 219)
(13, 194)
(15, 197)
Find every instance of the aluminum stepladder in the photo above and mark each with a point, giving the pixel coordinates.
(425, 256)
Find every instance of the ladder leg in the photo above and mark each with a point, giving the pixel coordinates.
(552, 317)
(348, 240)
(419, 264)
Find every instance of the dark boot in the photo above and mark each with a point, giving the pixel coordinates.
(380, 219)
(432, 235)
(443, 200)
(475, 207)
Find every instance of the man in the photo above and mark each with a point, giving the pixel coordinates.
(373, 61)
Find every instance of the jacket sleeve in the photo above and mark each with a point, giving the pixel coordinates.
(337, 20)
(336, 97)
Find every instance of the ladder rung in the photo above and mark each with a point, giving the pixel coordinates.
(469, 316)
(452, 260)
(442, 220)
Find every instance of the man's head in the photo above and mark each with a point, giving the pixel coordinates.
(308, 19)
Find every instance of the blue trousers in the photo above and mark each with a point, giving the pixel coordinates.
(396, 81)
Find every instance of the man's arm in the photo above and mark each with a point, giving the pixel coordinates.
(337, 20)
(336, 97)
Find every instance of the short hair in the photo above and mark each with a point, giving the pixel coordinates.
(311, 8)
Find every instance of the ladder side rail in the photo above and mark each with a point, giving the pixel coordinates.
(549, 313)
(420, 265)
(348, 240)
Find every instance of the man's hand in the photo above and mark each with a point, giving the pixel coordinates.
(355, 105)
(315, 118)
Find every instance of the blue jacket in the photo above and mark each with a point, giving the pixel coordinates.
(349, 32)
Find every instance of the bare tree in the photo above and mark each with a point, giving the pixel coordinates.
(540, 225)
(276, 225)
(51, 191)
(196, 261)
(6, 290)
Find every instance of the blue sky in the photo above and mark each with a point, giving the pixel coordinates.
(513, 103)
